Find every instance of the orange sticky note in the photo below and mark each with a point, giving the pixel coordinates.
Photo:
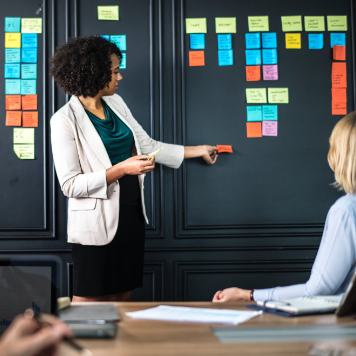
(13, 118)
(29, 102)
(339, 53)
(253, 73)
(338, 75)
(196, 58)
(224, 148)
(338, 108)
(338, 95)
(30, 119)
(13, 102)
(254, 129)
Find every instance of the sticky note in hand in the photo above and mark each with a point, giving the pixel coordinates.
(154, 153)
(224, 148)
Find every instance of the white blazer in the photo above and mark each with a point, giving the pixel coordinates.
(81, 161)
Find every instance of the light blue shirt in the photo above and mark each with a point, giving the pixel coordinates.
(335, 262)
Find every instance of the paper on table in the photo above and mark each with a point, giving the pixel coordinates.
(337, 23)
(314, 23)
(270, 72)
(253, 73)
(258, 23)
(339, 53)
(13, 102)
(198, 315)
(13, 118)
(256, 96)
(32, 25)
(196, 25)
(338, 95)
(291, 23)
(30, 119)
(338, 75)
(24, 135)
(225, 24)
(224, 148)
(254, 129)
(338, 108)
(278, 95)
(108, 13)
(196, 58)
(29, 102)
(293, 40)
(25, 151)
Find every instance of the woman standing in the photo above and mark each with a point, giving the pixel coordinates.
(101, 156)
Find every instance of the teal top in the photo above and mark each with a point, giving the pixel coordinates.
(115, 134)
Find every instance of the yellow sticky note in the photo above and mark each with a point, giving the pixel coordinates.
(196, 25)
(293, 40)
(25, 151)
(337, 23)
(31, 25)
(292, 23)
(225, 24)
(256, 95)
(278, 95)
(12, 40)
(24, 135)
(314, 23)
(258, 23)
(108, 13)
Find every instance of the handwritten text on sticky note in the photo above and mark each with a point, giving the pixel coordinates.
(225, 24)
(108, 13)
(278, 95)
(292, 23)
(258, 23)
(256, 96)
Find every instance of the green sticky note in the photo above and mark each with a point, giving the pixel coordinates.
(258, 23)
(25, 151)
(337, 23)
(314, 23)
(291, 23)
(256, 95)
(225, 24)
(108, 13)
(196, 25)
(278, 95)
(24, 135)
(31, 25)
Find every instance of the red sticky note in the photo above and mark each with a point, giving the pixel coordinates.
(338, 75)
(254, 129)
(196, 58)
(13, 102)
(13, 118)
(339, 53)
(224, 148)
(253, 73)
(338, 95)
(338, 108)
(30, 119)
(29, 102)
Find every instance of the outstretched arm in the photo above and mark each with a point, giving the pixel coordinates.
(208, 153)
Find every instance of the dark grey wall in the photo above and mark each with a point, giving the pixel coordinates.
(255, 218)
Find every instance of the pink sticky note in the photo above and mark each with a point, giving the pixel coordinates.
(270, 72)
(269, 128)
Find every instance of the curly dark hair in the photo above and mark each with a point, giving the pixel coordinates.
(82, 66)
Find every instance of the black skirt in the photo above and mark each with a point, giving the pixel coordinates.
(118, 266)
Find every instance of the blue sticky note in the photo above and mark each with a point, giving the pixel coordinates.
(28, 71)
(123, 61)
(29, 55)
(28, 87)
(12, 86)
(338, 39)
(12, 24)
(120, 41)
(107, 37)
(253, 40)
(226, 57)
(254, 113)
(29, 40)
(12, 71)
(253, 57)
(269, 56)
(316, 40)
(269, 112)
(197, 41)
(224, 42)
(12, 55)
(269, 40)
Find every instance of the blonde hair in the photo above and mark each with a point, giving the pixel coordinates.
(342, 153)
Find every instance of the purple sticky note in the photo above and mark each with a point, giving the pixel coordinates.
(270, 72)
(269, 128)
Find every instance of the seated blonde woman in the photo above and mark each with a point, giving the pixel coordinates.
(335, 262)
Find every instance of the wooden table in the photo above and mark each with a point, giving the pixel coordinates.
(148, 337)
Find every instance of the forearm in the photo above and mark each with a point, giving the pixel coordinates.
(114, 173)
(193, 151)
